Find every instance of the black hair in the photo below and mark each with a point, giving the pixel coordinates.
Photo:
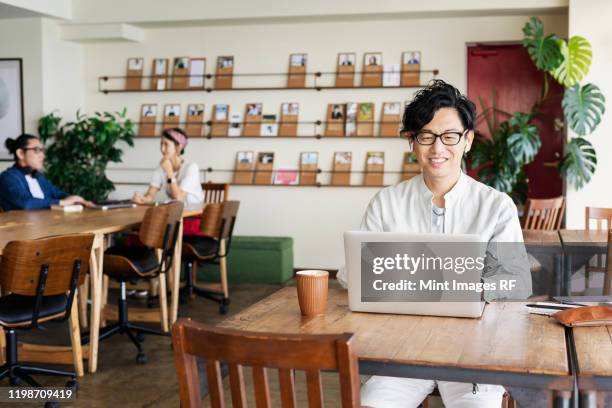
(426, 102)
(166, 134)
(21, 142)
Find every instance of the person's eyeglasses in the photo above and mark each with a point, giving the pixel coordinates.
(36, 149)
(427, 138)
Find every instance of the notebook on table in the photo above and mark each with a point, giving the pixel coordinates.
(114, 204)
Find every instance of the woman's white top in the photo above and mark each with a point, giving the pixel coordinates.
(471, 207)
(187, 178)
(34, 187)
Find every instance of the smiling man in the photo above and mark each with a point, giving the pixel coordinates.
(439, 123)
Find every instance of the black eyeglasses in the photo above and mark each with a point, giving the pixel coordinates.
(427, 138)
(36, 149)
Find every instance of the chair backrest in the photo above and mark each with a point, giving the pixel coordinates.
(160, 224)
(285, 352)
(22, 262)
(544, 214)
(215, 192)
(601, 216)
(607, 289)
(230, 211)
(218, 219)
(46, 267)
(160, 228)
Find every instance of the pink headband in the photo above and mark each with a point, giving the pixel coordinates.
(178, 137)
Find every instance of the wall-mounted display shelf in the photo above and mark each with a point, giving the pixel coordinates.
(285, 130)
(116, 84)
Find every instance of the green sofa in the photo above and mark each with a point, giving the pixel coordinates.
(254, 259)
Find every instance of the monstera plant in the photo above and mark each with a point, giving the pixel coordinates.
(78, 152)
(515, 142)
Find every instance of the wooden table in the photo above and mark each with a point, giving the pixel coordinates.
(19, 225)
(579, 246)
(543, 245)
(525, 353)
(594, 365)
(570, 250)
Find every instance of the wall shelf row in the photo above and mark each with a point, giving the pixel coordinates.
(208, 90)
(110, 84)
(318, 137)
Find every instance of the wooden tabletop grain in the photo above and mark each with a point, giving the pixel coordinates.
(589, 238)
(18, 225)
(534, 237)
(594, 350)
(505, 338)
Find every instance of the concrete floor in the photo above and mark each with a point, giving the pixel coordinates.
(121, 382)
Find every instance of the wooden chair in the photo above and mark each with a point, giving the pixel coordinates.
(602, 218)
(544, 214)
(213, 246)
(607, 290)
(285, 352)
(42, 277)
(215, 192)
(127, 263)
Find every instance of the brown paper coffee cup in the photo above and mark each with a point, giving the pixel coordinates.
(312, 291)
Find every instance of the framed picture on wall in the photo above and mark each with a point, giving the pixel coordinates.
(11, 101)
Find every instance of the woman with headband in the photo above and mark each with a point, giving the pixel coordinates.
(179, 178)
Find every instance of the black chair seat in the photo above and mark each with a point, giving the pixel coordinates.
(199, 246)
(141, 259)
(15, 309)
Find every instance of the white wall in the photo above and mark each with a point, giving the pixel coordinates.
(590, 19)
(315, 217)
(21, 38)
(62, 72)
(52, 69)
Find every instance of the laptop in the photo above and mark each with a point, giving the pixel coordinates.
(354, 241)
(114, 204)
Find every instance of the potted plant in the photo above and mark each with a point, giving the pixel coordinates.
(78, 152)
(515, 142)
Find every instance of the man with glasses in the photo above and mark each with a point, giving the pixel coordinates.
(439, 124)
(22, 186)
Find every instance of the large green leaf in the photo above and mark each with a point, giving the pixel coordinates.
(496, 166)
(524, 141)
(576, 61)
(78, 152)
(583, 107)
(579, 162)
(500, 181)
(543, 50)
(520, 189)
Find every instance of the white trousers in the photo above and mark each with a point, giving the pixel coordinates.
(393, 392)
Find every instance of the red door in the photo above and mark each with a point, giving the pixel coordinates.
(509, 71)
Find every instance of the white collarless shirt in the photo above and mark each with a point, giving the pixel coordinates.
(188, 179)
(471, 207)
(34, 187)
